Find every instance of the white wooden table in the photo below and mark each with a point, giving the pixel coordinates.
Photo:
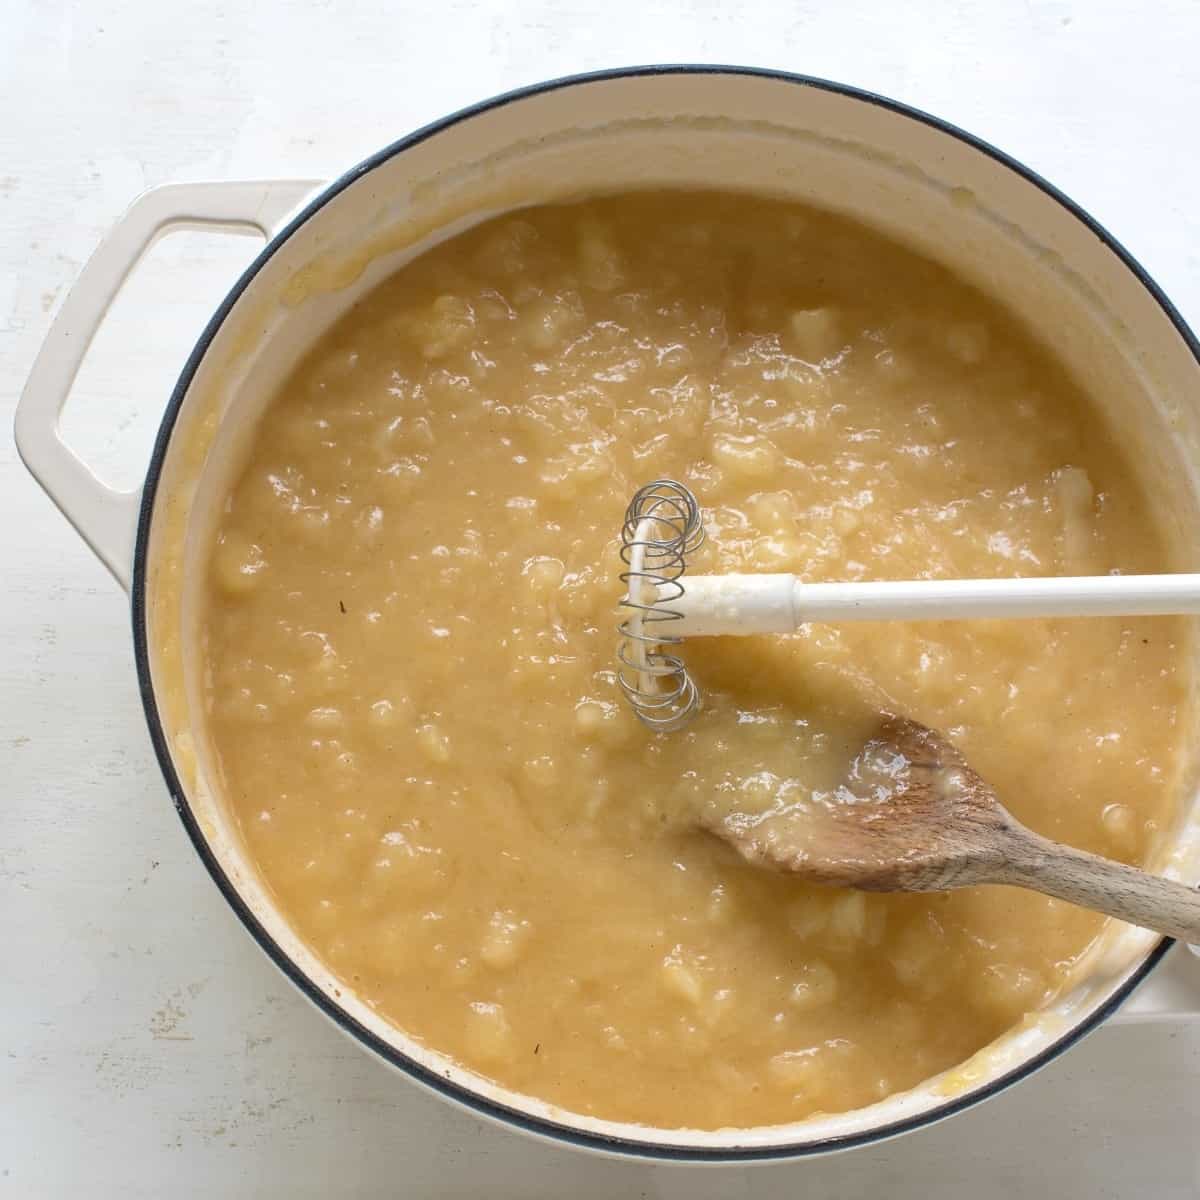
(148, 1048)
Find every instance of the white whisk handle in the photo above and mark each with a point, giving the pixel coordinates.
(716, 605)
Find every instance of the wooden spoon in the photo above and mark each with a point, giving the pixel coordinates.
(915, 817)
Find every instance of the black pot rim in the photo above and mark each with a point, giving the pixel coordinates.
(646, 1150)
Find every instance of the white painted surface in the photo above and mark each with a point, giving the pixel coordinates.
(149, 1049)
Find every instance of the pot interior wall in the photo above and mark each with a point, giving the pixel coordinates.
(930, 190)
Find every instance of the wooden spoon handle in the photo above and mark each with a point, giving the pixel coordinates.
(1090, 881)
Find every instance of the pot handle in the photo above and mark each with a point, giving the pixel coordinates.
(104, 517)
(1171, 993)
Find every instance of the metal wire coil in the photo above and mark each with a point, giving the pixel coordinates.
(662, 526)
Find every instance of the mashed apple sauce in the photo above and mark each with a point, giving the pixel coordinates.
(409, 632)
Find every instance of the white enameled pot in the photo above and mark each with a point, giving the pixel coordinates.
(914, 177)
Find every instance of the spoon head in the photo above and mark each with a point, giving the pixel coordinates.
(912, 817)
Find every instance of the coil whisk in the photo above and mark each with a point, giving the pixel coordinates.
(662, 527)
